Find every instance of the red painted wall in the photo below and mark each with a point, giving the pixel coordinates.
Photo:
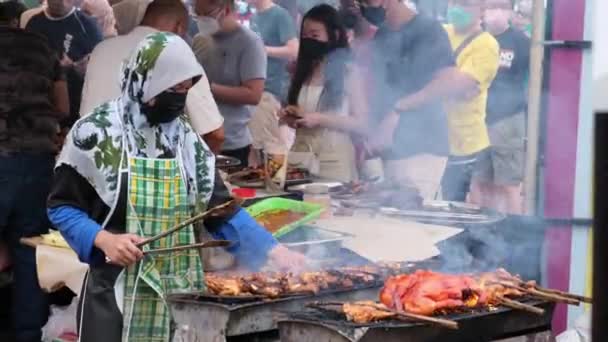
(562, 123)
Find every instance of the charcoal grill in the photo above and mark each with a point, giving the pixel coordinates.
(475, 326)
(215, 319)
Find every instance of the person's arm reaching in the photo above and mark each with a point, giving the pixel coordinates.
(254, 246)
(447, 83)
(357, 120)
(83, 234)
(215, 140)
(459, 83)
(70, 202)
(248, 93)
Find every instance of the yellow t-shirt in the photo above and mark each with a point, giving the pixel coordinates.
(468, 132)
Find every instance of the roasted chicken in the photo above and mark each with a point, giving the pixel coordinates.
(427, 292)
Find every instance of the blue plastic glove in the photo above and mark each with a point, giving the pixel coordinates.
(252, 241)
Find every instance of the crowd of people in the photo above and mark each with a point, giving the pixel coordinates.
(101, 101)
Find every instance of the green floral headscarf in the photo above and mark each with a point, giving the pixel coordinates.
(98, 143)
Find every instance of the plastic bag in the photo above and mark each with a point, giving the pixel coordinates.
(62, 322)
(581, 332)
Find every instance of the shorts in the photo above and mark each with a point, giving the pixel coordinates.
(459, 170)
(507, 152)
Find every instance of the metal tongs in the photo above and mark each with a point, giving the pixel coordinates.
(182, 225)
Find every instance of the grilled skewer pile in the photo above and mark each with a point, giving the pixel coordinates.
(424, 293)
(274, 284)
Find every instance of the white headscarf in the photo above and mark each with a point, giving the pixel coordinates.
(97, 143)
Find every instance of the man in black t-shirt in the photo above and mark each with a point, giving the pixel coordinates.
(414, 72)
(500, 183)
(29, 123)
(73, 35)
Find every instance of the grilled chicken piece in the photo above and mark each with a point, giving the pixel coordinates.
(261, 288)
(296, 285)
(364, 312)
(224, 286)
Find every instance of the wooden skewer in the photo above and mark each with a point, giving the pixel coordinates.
(554, 297)
(439, 321)
(565, 294)
(208, 244)
(398, 314)
(186, 223)
(539, 294)
(520, 306)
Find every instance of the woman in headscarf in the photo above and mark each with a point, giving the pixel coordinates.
(131, 170)
(326, 100)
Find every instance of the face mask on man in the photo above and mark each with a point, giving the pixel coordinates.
(167, 107)
(313, 49)
(207, 26)
(375, 15)
(459, 17)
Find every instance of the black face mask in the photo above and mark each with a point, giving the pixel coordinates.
(313, 49)
(168, 107)
(375, 15)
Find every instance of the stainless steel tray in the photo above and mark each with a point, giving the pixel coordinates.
(315, 242)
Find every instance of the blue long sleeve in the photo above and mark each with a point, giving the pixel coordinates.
(252, 241)
(78, 229)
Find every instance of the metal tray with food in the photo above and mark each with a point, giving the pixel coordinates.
(281, 216)
(315, 242)
(254, 178)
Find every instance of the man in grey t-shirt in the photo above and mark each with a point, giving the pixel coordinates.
(233, 57)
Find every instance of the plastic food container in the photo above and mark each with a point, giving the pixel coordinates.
(312, 211)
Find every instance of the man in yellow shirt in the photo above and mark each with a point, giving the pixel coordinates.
(477, 56)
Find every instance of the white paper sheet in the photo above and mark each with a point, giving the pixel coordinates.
(381, 238)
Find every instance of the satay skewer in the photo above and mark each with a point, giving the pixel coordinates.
(186, 223)
(543, 295)
(402, 315)
(565, 294)
(520, 306)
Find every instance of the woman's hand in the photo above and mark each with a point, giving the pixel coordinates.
(286, 260)
(311, 120)
(120, 249)
(289, 116)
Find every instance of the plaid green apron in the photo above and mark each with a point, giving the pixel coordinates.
(157, 201)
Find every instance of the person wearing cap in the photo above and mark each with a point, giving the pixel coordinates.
(108, 56)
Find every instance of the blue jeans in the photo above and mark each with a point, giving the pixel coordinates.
(25, 181)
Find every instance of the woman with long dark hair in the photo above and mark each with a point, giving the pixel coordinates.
(325, 102)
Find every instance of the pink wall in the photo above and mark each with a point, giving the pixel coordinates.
(562, 121)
